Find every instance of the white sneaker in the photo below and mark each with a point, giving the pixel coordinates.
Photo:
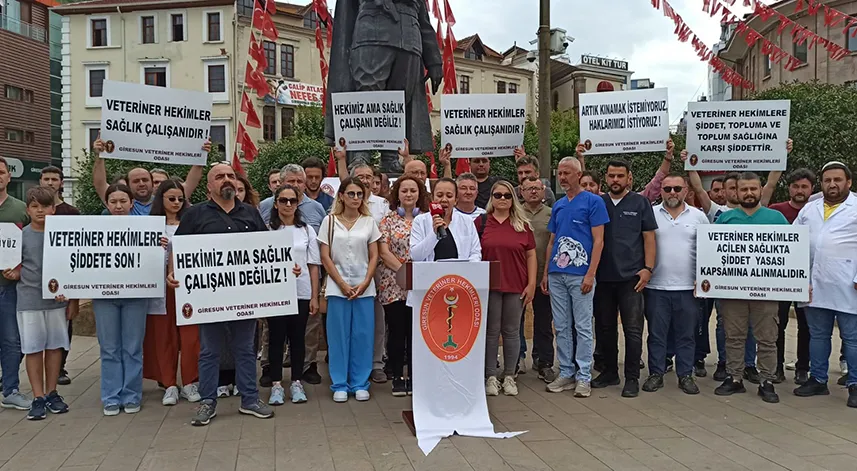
(492, 386)
(171, 396)
(361, 395)
(843, 367)
(583, 389)
(509, 386)
(790, 366)
(223, 391)
(191, 392)
(235, 391)
(561, 384)
(340, 396)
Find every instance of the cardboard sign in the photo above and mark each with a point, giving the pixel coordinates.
(10, 245)
(737, 135)
(103, 257)
(228, 277)
(626, 121)
(483, 125)
(369, 120)
(762, 263)
(154, 124)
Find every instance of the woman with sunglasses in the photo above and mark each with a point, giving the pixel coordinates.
(461, 241)
(286, 216)
(508, 239)
(408, 199)
(349, 253)
(164, 340)
(120, 327)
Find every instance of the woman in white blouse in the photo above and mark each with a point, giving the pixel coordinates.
(349, 253)
(461, 241)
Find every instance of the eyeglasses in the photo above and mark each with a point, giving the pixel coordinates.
(287, 201)
(672, 189)
(502, 196)
(173, 199)
(354, 194)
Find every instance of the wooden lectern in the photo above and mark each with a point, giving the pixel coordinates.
(405, 279)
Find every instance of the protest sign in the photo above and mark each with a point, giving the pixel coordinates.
(297, 94)
(228, 277)
(154, 124)
(103, 257)
(737, 135)
(626, 121)
(369, 120)
(483, 125)
(762, 263)
(10, 245)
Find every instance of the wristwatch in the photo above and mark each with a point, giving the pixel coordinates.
(649, 268)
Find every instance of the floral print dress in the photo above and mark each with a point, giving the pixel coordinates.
(396, 233)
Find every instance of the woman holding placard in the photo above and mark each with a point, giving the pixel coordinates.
(164, 340)
(349, 253)
(286, 216)
(120, 326)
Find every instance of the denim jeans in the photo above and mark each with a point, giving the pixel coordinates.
(720, 334)
(351, 338)
(676, 312)
(121, 326)
(214, 339)
(572, 310)
(10, 341)
(609, 298)
(820, 323)
(701, 340)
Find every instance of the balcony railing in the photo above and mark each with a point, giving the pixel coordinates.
(24, 29)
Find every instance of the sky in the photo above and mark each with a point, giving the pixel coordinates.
(630, 30)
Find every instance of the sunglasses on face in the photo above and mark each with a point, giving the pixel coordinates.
(173, 199)
(502, 196)
(354, 194)
(673, 189)
(287, 201)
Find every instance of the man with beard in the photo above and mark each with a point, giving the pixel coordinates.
(652, 190)
(717, 193)
(801, 182)
(739, 314)
(314, 169)
(223, 213)
(670, 304)
(833, 282)
(481, 167)
(625, 270)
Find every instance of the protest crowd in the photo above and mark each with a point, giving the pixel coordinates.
(582, 260)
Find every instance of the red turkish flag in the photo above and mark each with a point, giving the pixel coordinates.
(255, 80)
(331, 164)
(236, 163)
(263, 21)
(247, 107)
(271, 7)
(250, 150)
(447, 10)
(257, 53)
(462, 166)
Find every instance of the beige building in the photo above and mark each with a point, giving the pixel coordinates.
(817, 65)
(186, 44)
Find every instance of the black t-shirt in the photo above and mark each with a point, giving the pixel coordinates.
(484, 193)
(209, 218)
(445, 248)
(65, 209)
(624, 253)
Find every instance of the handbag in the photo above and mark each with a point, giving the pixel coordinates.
(322, 301)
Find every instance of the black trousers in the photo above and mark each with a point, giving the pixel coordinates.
(65, 352)
(802, 363)
(293, 327)
(542, 330)
(399, 319)
(610, 297)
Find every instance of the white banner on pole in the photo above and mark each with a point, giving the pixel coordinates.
(228, 277)
(10, 245)
(154, 124)
(103, 257)
(483, 124)
(625, 121)
(451, 303)
(369, 120)
(761, 263)
(737, 135)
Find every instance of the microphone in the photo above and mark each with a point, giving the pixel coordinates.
(437, 210)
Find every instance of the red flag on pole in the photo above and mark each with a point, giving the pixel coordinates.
(247, 107)
(256, 81)
(447, 10)
(331, 164)
(236, 163)
(257, 53)
(263, 21)
(250, 150)
(271, 7)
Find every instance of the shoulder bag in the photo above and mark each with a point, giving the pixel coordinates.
(322, 300)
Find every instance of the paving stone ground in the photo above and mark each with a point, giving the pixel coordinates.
(666, 430)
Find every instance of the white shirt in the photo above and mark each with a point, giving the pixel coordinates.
(475, 214)
(158, 306)
(715, 211)
(379, 207)
(304, 252)
(350, 252)
(675, 260)
(832, 254)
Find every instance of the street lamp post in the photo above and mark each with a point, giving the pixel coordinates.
(544, 119)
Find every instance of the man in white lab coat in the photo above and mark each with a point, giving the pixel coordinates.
(832, 225)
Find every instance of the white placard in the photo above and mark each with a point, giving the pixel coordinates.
(626, 121)
(737, 135)
(483, 124)
(10, 245)
(103, 257)
(449, 314)
(369, 120)
(154, 124)
(229, 277)
(761, 263)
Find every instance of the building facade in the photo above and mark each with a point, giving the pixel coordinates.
(816, 62)
(718, 89)
(25, 103)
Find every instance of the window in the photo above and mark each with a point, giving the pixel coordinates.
(156, 76)
(800, 52)
(216, 78)
(287, 61)
(472, 55)
(501, 86)
(28, 96)
(268, 123)
(26, 12)
(464, 85)
(287, 122)
(14, 135)
(311, 21)
(147, 29)
(177, 26)
(14, 93)
(92, 136)
(99, 32)
(29, 138)
(218, 137)
(513, 88)
(245, 7)
(850, 39)
(96, 82)
(212, 21)
(271, 56)
(767, 60)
